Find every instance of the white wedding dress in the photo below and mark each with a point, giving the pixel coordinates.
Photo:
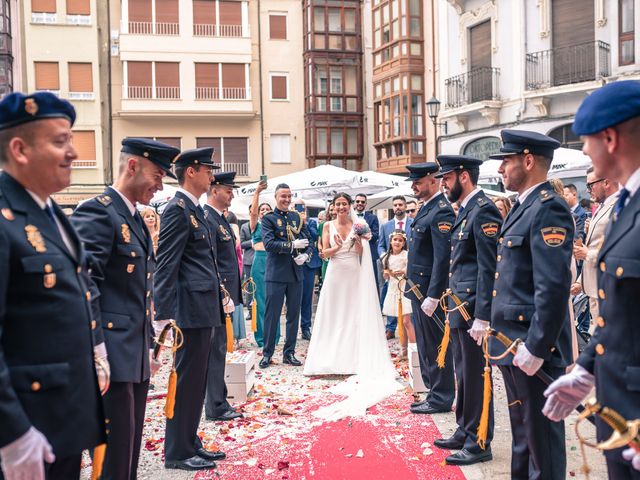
(348, 334)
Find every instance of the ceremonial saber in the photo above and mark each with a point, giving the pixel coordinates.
(512, 347)
(413, 288)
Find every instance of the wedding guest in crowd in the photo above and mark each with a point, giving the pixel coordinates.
(394, 267)
(412, 208)
(360, 206)
(570, 193)
(152, 221)
(257, 212)
(310, 269)
(504, 206)
(239, 327)
(247, 260)
(400, 221)
(330, 215)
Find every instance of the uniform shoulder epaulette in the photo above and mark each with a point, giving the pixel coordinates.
(180, 203)
(442, 204)
(206, 213)
(545, 195)
(482, 201)
(104, 200)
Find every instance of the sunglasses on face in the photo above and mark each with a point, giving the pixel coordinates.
(361, 202)
(591, 184)
(411, 210)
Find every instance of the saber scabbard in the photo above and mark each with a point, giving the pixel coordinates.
(512, 348)
(178, 341)
(413, 288)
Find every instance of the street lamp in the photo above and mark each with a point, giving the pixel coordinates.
(433, 109)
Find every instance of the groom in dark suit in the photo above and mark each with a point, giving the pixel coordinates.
(360, 204)
(286, 240)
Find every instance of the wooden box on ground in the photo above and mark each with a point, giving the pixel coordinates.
(240, 375)
(415, 378)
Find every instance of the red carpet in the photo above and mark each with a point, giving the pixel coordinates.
(389, 443)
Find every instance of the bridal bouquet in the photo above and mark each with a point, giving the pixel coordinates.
(362, 231)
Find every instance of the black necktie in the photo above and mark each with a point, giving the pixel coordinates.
(620, 204)
(138, 218)
(460, 210)
(49, 211)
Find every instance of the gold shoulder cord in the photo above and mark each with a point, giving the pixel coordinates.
(227, 318)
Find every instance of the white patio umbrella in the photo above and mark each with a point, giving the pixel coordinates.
(383, 200)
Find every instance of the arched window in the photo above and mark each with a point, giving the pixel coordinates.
(566, 137)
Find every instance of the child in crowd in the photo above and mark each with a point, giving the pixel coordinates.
(394, 264)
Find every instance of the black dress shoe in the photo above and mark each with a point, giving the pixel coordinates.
(225, 417)
(450, 443)
(418, 402)
(465, 457)
(425, 407)
(291, 360)
(306, 334)
(208, 455)
(193, 463)
(264, 363)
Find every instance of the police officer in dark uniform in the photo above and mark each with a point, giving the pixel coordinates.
(223, 239)
(50, 406)
(187, 290)
(609, 122)
(473, 262)
(428, 268)
(286, 240)
(530, 300)
(122, 262)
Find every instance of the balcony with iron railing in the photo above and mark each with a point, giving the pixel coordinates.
(572, 64)
(477, 85)
(241, 169)
(223, 93)
(154, 28)
(217, 30)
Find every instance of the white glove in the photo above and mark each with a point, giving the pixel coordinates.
(154, 364)
(567, 392)
(103, 370)
(300, 259)
(633, 456)
(299, 243)
(24, 458)
(526, 361)
(158, 326)
(227, 305)
(478, 330)
(429, 306)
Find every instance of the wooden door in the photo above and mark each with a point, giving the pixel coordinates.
(480, 78)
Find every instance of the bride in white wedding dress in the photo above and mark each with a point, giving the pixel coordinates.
(348, 332)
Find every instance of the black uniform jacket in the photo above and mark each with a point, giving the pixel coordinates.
(613, 354)
(533, 277)
(224, 243)
(121, 264)
(430, 248)
(187, 286)
(47, 373)
(280, 265)
(474, 241)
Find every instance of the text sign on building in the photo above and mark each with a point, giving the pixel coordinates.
(481, 148)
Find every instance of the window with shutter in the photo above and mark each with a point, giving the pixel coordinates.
(278, 87)
(47, 76)
(204, 17)
(203, 142)
(233, 81)
(277, 26)
(78, 7)
(207, 81)
(43, 6)
(280, 149)
(84, 141)
(235, 152)
(167, 79)
(167, 21)
(139, 78)
(80, 77)
(230, 22)
(140, 10)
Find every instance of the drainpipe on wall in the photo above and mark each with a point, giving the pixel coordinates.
(261, 93)
(523, 64)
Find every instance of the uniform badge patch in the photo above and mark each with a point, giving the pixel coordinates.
(554, 236)
(490, 229)
(34, 237)
(194, 222)
(104, 200)
(224, 232)
(30, 106)
(180, 203)
(444, 227)
(126, 233)
(8, 214)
